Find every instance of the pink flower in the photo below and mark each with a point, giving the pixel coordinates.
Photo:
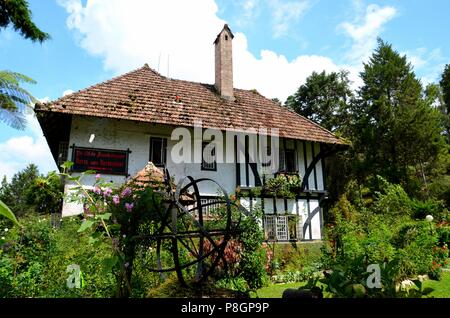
(116, 199)
(129, 206)
(97, 176)
(97, 190)
(107, 192)
(126, 192)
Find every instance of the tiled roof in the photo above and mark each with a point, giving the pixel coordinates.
(146, 96)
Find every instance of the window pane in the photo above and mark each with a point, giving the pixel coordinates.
(290, 161)
(157, 149)
(208, 156)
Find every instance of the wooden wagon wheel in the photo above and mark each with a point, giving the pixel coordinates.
(188, 214)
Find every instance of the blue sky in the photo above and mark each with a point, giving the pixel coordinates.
(277, 45)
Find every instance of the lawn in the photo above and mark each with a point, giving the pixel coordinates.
(441, 289)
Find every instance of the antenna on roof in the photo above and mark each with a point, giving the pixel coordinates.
(168, 66)
(159, 60)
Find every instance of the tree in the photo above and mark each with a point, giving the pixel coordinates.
(324, 98)
(445, 86)
(13, 194)
(46, 194)
(14, 99)
(16, 12)
(396, 132)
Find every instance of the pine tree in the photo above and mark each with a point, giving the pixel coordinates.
(396, 132)
(445, 87)
(17, 13)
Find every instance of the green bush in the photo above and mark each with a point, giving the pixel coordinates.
(429, 207)
(34, 261)
(46, 194)
(253, 256)
(381, 232)
(291, 257)
(443, 233)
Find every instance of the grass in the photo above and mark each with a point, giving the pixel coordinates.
(441, 289)
(276, 290)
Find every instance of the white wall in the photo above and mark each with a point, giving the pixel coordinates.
(123, 134)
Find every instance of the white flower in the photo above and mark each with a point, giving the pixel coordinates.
(3, 237)
(429, 218)
(407, 284)
(6, 230)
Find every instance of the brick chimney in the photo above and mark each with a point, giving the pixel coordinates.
(224, 63)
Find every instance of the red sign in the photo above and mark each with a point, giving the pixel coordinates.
(101, 160)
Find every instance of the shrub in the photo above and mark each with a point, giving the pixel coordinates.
(443, 233)
(378, 234)
(429, 207)
(253, 256)
(393, 201)
(34, 260)
(46, 194)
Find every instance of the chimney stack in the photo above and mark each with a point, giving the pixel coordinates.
(224, 63)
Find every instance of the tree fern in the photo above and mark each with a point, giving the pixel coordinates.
(14, 100)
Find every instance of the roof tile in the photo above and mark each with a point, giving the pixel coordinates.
(146, 96)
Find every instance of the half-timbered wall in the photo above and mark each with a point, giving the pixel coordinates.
(123, 135)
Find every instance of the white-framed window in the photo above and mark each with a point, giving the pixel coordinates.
(288, 160)
(63, 150)
(158, 150)
(211, 205)
(209, 156)
(282, 227)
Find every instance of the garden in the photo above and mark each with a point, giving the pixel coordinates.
(386, 218)
(95, 255)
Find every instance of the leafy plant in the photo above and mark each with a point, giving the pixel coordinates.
(283, 185)
(7, 213)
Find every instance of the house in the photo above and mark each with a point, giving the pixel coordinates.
(117, 126)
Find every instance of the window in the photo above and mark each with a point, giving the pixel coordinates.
(266, 157)
(209, 157)
(158, 148)
(63, 149)
(288, 161)
(211, 205)
(282, 227)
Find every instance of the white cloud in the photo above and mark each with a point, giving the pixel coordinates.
(249, 10)
(284, 13)
(19, 151)
(67, 92)
(365, 30)
(272, 74)
(46, 99)
(428, 64)
(127, 34)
